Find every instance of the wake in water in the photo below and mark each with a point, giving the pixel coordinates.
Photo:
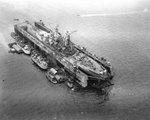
(115, 14)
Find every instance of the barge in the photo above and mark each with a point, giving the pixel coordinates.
(79, 65)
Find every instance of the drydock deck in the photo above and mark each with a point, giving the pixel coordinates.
(81, 73)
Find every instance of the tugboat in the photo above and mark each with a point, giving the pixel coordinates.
(80, 66)
(39, 60)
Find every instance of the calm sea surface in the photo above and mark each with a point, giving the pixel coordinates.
(26, 94)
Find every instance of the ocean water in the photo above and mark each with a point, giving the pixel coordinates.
(26, 94)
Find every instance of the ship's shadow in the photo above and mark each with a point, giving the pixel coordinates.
(102, 93)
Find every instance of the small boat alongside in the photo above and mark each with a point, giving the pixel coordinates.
(17, 49)
(25, 47)
(14, 48)
(38, 59)
(56, 75)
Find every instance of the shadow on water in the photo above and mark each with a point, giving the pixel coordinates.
(102, 94)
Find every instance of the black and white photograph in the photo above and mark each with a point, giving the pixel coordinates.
(74, 59)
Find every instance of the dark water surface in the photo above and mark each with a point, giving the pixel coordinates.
(25, 93)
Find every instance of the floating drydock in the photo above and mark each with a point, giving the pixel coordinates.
(83, 67)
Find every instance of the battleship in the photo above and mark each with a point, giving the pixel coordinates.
(63, 60)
